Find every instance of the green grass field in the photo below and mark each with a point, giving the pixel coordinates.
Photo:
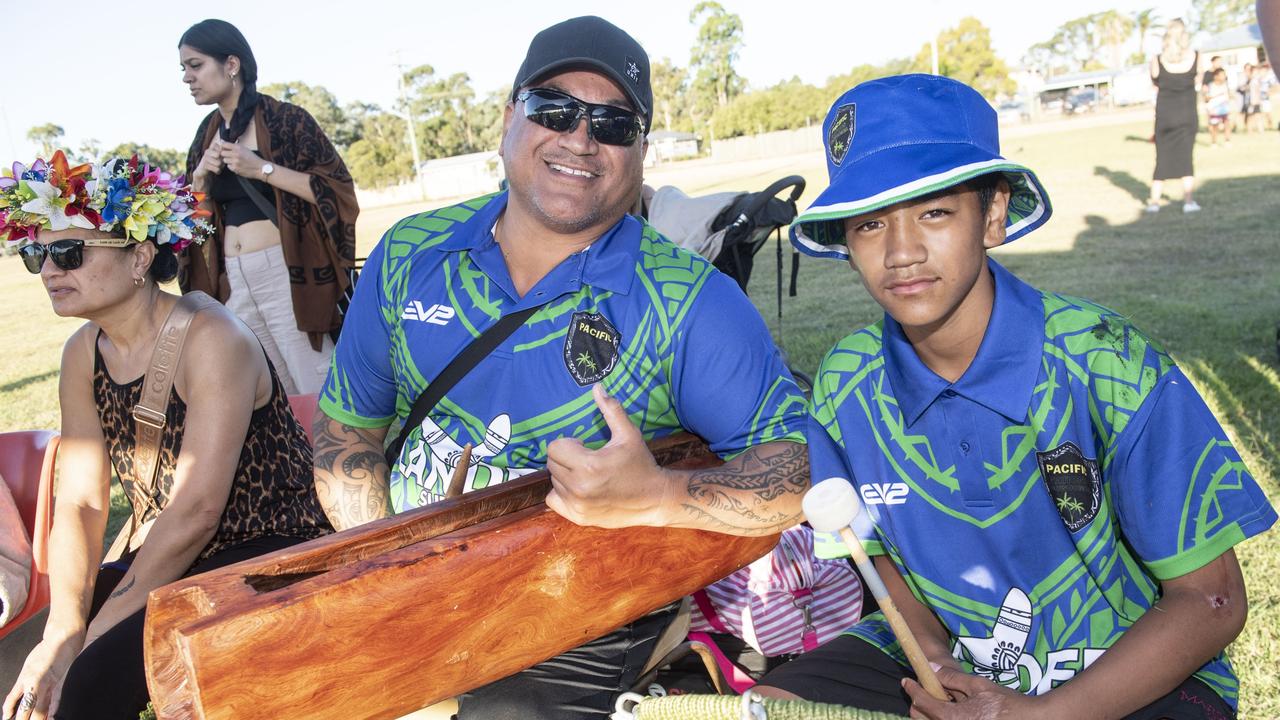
(1205, 285)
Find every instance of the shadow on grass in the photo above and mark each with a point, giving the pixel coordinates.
(30, 379)
(1123, 180)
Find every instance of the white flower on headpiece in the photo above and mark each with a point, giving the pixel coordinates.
(50, 203)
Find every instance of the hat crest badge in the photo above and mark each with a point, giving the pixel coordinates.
(840, 134)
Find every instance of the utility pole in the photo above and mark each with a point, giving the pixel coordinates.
(935, 15)
(413, 134)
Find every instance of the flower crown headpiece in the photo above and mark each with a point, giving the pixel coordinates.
(115, 194)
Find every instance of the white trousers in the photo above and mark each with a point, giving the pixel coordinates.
(260, 297)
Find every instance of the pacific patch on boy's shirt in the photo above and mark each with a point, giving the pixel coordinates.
(1074, 483)
(590, 347)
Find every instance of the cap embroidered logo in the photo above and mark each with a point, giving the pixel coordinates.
(840, 135)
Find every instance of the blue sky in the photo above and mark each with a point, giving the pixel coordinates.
(125, 85)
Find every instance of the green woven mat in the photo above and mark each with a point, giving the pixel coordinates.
(729, 707)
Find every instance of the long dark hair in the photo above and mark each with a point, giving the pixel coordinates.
(220, 40)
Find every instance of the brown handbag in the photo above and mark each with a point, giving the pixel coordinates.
(149, 414)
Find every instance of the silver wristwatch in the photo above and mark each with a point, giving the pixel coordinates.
(267, 169)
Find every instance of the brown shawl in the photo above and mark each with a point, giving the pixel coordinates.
(319, 241)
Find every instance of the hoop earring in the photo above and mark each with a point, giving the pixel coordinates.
(139, 282)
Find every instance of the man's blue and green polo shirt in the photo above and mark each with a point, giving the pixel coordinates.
(674, 340)
(1035, 504)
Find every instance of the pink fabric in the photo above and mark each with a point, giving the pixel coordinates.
(765, 603)
(737, 678)
(15, 558)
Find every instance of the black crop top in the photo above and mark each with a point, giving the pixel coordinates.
(234, 203)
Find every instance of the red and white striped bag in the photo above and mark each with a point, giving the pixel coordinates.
(787, 602)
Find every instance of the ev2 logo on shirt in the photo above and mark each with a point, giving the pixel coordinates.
(436, 314)
(894, 493)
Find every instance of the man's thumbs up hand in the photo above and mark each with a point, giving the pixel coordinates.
(618, 485)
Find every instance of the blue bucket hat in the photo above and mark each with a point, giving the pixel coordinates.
(898, 138)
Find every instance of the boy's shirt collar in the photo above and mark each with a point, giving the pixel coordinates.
(1002, 375)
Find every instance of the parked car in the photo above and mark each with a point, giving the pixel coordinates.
(1080, 101)
(1012, 111)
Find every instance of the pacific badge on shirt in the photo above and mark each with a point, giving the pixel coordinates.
(1074, 483)
(590, 347)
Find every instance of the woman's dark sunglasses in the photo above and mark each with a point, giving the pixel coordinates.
(67, 253)
(561, 112)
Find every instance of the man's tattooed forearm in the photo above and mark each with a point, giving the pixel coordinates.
(350, 474)
(756, 491)
(364, 463)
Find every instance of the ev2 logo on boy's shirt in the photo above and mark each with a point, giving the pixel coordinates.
(436, 314)
(1074, 483)
(894, 493)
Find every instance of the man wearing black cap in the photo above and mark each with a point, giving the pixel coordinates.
(615, 336)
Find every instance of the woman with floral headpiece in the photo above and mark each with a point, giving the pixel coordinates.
(284, 208)
(229, 472)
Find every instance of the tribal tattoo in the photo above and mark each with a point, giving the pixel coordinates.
(351, 474)
(756, 493)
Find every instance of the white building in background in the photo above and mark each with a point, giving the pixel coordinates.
(668, 145)
(463, 175)
(1237, 47)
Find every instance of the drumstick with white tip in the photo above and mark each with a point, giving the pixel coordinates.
(831, 506)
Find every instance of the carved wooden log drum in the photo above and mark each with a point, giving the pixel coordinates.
(403, 612)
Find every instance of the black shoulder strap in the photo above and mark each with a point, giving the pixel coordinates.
(457, 369)
(267, 209)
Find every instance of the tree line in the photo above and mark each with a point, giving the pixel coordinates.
(706, 97)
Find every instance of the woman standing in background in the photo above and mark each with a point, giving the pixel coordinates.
(1174, 73)
(283, 205)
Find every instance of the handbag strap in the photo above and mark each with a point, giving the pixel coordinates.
(708, 610)
(149, 414)
(260, 200)
(457, 369)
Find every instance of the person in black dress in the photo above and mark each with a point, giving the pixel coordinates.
(1174, 73)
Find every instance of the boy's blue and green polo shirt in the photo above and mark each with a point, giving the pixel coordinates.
(674, 340)
(1035, 504)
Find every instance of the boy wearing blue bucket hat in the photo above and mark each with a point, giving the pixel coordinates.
(1051, 504)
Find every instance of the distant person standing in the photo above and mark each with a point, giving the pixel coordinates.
(1174, 73)
(1251, 98)
(1215, 64)
(283, 204)
(1217, 102)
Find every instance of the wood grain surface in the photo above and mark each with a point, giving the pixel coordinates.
(392, 616)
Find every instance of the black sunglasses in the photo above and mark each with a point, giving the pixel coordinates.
(561, 112)
(67, 253)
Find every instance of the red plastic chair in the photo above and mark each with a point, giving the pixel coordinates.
(304, 408)
(27, 460)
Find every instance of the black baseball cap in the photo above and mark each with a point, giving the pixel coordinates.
(594, 43)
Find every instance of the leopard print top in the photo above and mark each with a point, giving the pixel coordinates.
(273, 491)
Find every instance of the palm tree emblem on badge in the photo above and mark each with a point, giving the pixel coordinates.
(1068, 504)
(584, 361)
